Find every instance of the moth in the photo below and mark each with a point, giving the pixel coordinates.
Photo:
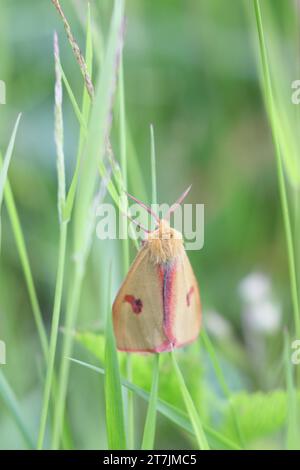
(158, 305)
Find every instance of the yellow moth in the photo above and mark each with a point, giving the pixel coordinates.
(158, 305)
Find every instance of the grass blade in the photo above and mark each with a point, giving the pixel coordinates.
(76, 109)
(10, 400)
(134, 169)
(219, 374)
(24, 258)
(115, 428)
(192, 412)
(293, 435)
(21, 247)
(274, 121)
(59, 139)
(123, 160)
(83, 117)
(59, 134)
(150, 425)
(149, 430)
(99, 127)
(5, 165)
(7, 158)
(124, 229)
(153, 167)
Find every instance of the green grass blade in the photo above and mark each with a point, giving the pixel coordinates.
(150, 425)
(124, 229)
(76, 108)
(192, 412)
(21, 247)
(122, 123)
(24, 258)
(7, 158)
(59, 140)
(22, 250)
(175, 415)
(83, 116)
(153, 167)
(275, 123)
(134, 170)
(123, 160)
(218, 371)
(95, 148)
(59, 134)
(221, 379)
(293, 435)
(61, 195)
(5, 165)
(99, 125)
(11, 402)
(115, 428)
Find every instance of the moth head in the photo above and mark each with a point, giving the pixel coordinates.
(165, 232)
(164, 243)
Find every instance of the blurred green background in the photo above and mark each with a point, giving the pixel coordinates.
(190, 69)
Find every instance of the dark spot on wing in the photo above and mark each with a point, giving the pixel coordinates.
(136, 304)
(189, 295)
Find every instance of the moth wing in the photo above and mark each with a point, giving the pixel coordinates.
(184, 299)
(138, 308)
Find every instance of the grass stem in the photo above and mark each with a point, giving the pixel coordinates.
(271, 108)
(54, 333)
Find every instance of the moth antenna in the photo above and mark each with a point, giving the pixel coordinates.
(148, 209)
(178, 202)
(138, 224)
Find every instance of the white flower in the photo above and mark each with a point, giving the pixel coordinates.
(263, 317)
(256, 286)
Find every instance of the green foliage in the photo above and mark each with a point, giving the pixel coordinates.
(142, 369)
(217, 440)
(260, 414)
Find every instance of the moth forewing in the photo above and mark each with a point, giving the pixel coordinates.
(138, 308)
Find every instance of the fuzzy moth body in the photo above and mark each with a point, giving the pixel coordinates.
(158, 306)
